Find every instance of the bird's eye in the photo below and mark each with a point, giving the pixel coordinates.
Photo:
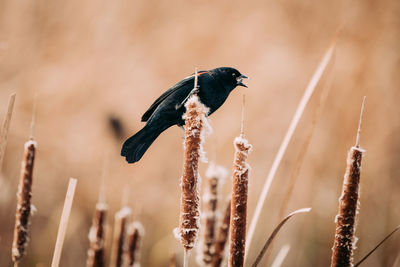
(233, 74)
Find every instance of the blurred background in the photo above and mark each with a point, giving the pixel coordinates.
(98, 65)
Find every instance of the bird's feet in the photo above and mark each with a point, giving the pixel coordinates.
(194, 91)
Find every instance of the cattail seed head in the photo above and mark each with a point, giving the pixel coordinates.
(222, 237)
(215, 176)
(118, 245)
(97, 237)
(239, 202)
(195, 120)
(344, 242)
(135, 236)
(24, 207)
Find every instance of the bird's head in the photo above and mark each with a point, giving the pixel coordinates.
(230, 77)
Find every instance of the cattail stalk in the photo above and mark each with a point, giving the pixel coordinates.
(24, 206)
(239, 202)
(215, 177)
(135, 236)
(22, 215)
(62, 229)
(5, 128)
(344, 243)
(195, 125)
(119, 244)
(97, 237)
(222, 237)
(97, 232)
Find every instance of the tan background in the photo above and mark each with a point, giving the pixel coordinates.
(89, 60)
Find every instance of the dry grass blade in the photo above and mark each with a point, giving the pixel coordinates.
(303, 150)
(62, 230)
(5, 128)
(377, 246)
(96, 251)
(293, 124)
(281, 256)
(24, 207)
(275, 232)
(222, 238)
(237, 233)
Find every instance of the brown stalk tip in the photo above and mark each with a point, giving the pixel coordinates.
(344, 242)
(195, 122)
(96, 251)
(135, 237)
(222, 237)
(239, 202)
(118, 245)
(24, 207)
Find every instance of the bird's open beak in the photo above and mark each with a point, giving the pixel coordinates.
(240, 80)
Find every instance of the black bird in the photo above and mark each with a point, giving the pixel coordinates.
(214, 87)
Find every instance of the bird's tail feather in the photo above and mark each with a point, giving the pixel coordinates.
(135, 146)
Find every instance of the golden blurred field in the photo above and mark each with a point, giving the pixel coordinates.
(90, 61)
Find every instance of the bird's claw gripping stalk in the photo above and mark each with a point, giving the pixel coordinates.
(194, 91)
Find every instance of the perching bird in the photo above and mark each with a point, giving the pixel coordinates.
(214, 87)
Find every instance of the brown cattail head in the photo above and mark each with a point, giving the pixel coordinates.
(222, 237)
(97, 237)
(215, 176)
(135, 237)
(24, 207)
(239, 202)
(195, 124)
(118, 244)
(344, 242)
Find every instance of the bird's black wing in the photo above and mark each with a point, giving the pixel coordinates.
(176, 87)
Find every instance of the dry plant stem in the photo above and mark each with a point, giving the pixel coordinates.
(342, 254)
(377, 246)
(274, 233)
(96, 250)
(293, 124)
(186, 254)
(222, 238)
(281, 256)
(62, 229)
(189, 222)
(172, 260)
(5, 128)
(239, 202)
(135, 236)
(23, 212)
(118, 244)
(303, 151)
